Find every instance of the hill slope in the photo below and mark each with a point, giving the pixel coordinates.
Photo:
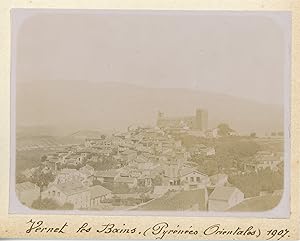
(90, 105)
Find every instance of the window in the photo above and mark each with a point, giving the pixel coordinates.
(49, 193)
(198, 179)
(58, 194)
(53, 193)
(192, 179)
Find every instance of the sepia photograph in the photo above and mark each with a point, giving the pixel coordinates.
(150, 111)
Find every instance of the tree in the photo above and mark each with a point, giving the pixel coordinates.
(211, 167)
(253, 134)
(50, 204)
(224, 129)
(236, 149)
(67, 206)
(43, 158)
(252, 183)
(157, 180)
(121, 188)
(45, 204)
(41, 178)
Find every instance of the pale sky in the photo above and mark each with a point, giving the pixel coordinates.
(237, 55)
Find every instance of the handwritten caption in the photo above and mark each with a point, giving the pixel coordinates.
(160, 230)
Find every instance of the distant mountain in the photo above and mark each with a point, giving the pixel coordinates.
(87, 105)
(41, 141)
(82, 134)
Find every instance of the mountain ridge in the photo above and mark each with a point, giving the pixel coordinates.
(92, 105)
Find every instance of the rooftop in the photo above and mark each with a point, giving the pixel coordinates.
(72, 187)
(178, 201)
(222, 193)
(24, 186)
(67, 170)
(187, 170)
(107, 173)
(98, 191)
(125, 179)
(257, 204)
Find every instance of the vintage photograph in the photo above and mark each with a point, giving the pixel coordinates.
(149, 111)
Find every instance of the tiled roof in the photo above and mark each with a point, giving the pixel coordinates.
(85, 172)
(108, 173)
(72, 187)
(67, 170)
(125, 179)
(98, 191)
(188, 170)
(24, 186)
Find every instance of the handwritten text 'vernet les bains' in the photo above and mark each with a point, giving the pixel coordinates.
(158, 230)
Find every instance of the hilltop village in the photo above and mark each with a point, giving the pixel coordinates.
(179, 164)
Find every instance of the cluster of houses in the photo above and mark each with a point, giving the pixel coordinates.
(150, 162)
(263, 160)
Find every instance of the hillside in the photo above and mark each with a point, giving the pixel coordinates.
(108, 106)
(43, 142)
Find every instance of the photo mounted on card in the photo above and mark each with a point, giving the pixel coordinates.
(178, 118)
(146, 112)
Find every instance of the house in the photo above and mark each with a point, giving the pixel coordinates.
(87, 176)
(155, 171)
(87, 170)
(73, 160)
(93, 158)
(263, 161)
(171, 168)
(83, 153)
(105, 152)
(171, 181)
(99, 195)
(52, 163)
(90, 142)
(127, 199)
(118, 158)
(144, 180)
(129, 155)
(67, 175)
(27, 193)
(142, 163)
(224, 198)
(73, 192)
(191, 178)
(270, 161)
(210, 151)
(214, 133)
(62, 155)
(233, 133)
(130, 181)
(107, 176)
